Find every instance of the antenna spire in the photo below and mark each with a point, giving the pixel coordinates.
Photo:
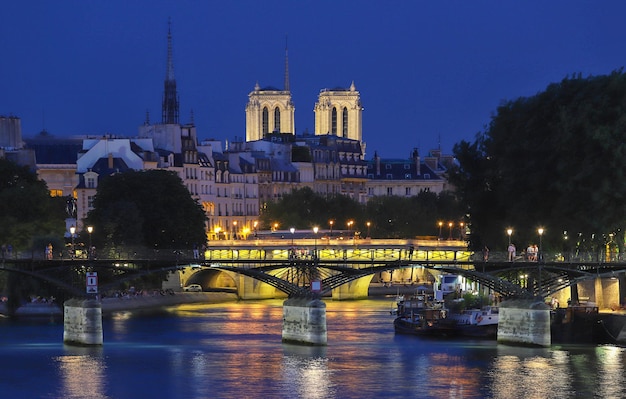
(170, 107)
(286, 65)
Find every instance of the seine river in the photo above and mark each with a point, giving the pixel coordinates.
(234, 350)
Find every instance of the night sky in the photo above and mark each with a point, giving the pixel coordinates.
(430, 73)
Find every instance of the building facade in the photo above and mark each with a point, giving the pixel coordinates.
(234, 183)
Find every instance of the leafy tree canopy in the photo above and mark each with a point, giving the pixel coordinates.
(28, 215)
(149, 208)
(555, 161)
(389, 216)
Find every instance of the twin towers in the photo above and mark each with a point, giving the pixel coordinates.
(338, 111)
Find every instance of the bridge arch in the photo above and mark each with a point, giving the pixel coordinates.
(209, 279)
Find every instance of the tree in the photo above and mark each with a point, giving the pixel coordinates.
(555, 160)
(302, 208)
(389, 216)
(150, 208)
(28, 215)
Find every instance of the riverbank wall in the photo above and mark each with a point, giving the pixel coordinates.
(147, 302)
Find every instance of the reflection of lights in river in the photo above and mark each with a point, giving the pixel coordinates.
(610, 371)
(83, 375)
(307, 369)
(540, 375)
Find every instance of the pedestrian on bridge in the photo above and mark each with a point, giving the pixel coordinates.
(48, 251)
(511, 251)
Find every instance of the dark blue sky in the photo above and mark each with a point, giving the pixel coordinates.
(430, 73)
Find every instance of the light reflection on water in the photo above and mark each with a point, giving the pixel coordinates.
(82, 372)
(235, 350)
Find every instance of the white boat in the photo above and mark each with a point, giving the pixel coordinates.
(477, 323)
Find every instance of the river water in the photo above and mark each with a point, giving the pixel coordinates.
(234, 350)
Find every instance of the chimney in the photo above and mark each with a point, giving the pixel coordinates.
(377, 162)
(110, 160)
(416, 159)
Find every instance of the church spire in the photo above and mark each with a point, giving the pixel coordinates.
(286, 66)
(170, 107)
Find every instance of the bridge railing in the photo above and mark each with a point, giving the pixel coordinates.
(352, 254)
(550, 256)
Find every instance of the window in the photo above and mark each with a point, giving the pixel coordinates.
(56, 193)
(90, 201)
(407, 191)
(333, 126)
(407, 175)
(407, 166)
(389, 190)
(389, 176)
(266, 127)
(344, 122)
(91, 182)
(426, 175)
(388, 166)
(277, 120)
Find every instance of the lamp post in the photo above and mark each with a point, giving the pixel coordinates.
(368, 229)
(540, 260)
(509, 232)
(315, 230)
(350, 223)
(275, 226)
(450, 226)
(293, 231)
(72, 232)
(331, 222)
(440, 226)
(540, 231)
(256, 223)
(89, 230)
(461, 226)
(234, 230)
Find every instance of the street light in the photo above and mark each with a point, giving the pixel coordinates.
(540, 231)
(256, 223)
(315, 230)
(368, 229)
(350, 223)
(234, 230)
(331, 222)
(89, 230)
(293, 231)
(461, 226)
(450, 225)
(540, 260)
(440, 226)
(275, 226)
(509, 232)
(72, 232)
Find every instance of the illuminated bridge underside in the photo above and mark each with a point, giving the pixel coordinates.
(545, 279)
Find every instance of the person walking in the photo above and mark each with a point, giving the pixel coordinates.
(49, 251)
(511, 251)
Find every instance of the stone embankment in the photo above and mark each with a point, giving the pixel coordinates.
(148, 302)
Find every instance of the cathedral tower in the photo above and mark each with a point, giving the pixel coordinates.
(270, 110)
(170, 108)
(339, 112)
